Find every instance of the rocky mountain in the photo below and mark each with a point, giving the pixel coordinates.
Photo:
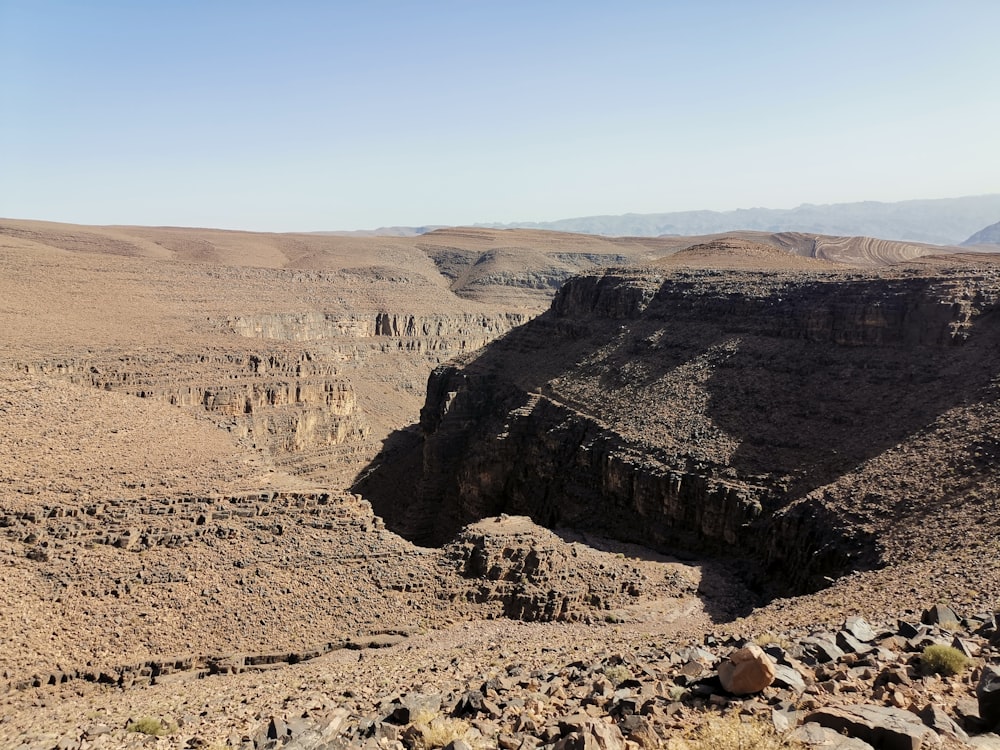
(941, 221)
(987, 236)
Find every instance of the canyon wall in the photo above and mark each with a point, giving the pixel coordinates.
(296, 385)
(705, 412)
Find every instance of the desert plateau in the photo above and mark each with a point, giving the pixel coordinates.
(497, 488)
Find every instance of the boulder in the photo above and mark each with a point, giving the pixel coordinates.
(880, 726)
(813, 735)
(822, 648)
(939, 613)
(790, 678)
(988, 695)
(860, 629)
(936, 718)
(592, 734)
(748, 670)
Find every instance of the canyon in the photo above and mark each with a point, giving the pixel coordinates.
(234, 464)
(720, 411)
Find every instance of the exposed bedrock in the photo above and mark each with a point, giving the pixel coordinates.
(719, 413)
(299, 391)
(405, 331)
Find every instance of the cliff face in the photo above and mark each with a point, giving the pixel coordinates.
(304, 390)
(712, 412)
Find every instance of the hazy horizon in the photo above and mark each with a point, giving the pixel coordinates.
(324, 117)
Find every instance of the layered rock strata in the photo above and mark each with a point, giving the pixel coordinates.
(294, 397)
(710, 412)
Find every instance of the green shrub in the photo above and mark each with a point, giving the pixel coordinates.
(151, 725)
(944, 660)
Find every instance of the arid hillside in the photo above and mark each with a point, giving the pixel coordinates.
(732, 411)
(197, 424)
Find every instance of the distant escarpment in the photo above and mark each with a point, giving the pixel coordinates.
(813, 424)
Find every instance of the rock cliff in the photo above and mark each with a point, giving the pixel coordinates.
(294, 394)
(739, 414)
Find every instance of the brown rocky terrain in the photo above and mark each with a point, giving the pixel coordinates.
(732, 410)
(190, 416)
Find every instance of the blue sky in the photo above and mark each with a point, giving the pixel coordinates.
(344, 115)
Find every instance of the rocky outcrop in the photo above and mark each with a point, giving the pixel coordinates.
(431, 333)
(536, 576)
(191, 565)
(282, 400)
(294, 396)
(703, 411)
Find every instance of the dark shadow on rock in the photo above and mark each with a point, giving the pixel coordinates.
(808, 379)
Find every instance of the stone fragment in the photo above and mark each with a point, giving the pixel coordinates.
(96, 730)
(590, 734)
(860, 629)
(988, 695)
(748, 670)
(937, 719)
(985, 742)
(938, 614)
(422, 702)
(694, 653)
(987, 625)
(814, 735)
(781, 720)
(969, 649)
(822, 648)
(469, 704)
(276, 728)
(788, 677)
(884, 727)
(851, 645)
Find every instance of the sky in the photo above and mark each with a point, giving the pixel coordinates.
(308, 116)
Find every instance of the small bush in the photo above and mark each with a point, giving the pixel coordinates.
(732, 733)
(151, 725)
(769, 639)
(944, 660)
(617, 674)
(437, 731)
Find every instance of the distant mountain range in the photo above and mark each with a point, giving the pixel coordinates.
(988, 236)
(946, 221)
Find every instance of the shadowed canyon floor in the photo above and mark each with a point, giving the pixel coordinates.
(197, 424)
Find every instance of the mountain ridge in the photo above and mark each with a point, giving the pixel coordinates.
(940, 221)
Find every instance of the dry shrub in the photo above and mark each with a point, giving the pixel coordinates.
(768, 639)
(732, 733)
(617, 674)
(152, 726)
(437, 731)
